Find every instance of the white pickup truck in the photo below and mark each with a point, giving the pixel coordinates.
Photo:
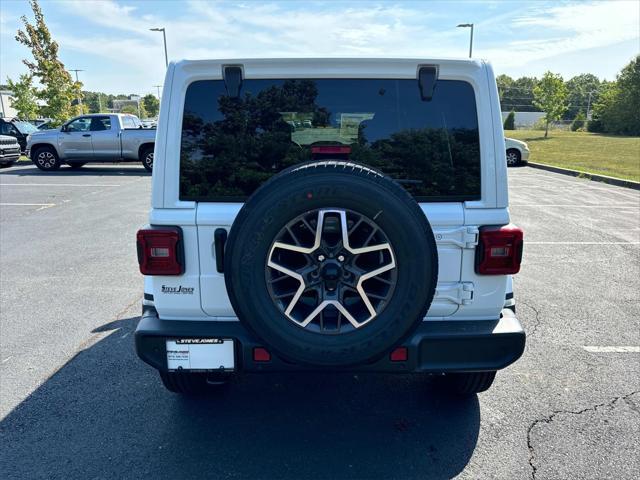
(329, 214)
(93, 138)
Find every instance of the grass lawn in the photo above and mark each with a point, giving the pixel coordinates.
(588, 152)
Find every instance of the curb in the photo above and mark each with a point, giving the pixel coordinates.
(589, 176)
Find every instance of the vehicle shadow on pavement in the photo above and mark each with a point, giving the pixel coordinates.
(94, 170)
(104, 414)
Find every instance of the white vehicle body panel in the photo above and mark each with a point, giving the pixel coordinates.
(460, 294)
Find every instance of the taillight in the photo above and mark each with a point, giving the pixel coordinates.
(160, 251)
(499, 250)
(330, 151)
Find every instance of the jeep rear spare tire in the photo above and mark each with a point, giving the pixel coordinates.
(331, 264)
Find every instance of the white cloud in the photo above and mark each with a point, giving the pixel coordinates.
(512, 38)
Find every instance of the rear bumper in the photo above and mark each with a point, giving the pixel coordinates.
(435, 347)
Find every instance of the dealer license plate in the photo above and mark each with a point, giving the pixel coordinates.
(202, 354)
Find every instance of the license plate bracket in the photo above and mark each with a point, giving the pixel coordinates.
(200, 354)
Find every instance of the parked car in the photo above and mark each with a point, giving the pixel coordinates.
(9, 150)
(18, 129)
(93, 138)
(46, 125)
(373, 236)
(517, 152)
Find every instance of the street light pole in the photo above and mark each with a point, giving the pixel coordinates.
(158, 87)
(469, 25)
(164, 38)
(76, 70)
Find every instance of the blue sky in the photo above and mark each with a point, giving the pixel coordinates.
(110, 40)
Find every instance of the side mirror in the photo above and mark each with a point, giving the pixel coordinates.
(63, 128)
(427, 78)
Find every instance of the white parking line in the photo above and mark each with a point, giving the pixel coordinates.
(618, 349)
(582, 243)
(541, 205)
(57, 185)
(27, 204)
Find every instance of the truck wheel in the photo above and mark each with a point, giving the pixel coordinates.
(191, 383)
(146, 157)
(331, 263)
(467, 383)
(46, 158)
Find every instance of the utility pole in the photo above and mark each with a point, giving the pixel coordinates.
(164, 37)
(589, 105)
(158, 87)
(77, 81)
(468, 25)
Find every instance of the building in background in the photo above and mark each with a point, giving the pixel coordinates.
(525, 119)
(132, 100)
(6, 110)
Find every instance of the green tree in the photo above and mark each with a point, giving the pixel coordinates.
(95, 101)
(151, 105)
(132, 109)
(516, 94)
(550, 96)
(578, 122)
(618, 107)
(142, 112)
(582, 92)
(23, 97)
(510, 121)
(58, 88)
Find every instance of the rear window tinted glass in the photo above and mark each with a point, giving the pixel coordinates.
(128, 122)
(230, 146)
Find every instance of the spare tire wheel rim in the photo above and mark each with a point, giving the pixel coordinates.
(331, 271)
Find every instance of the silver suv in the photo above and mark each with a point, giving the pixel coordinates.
(9, 150)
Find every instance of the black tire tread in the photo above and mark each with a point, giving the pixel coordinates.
(143, 154)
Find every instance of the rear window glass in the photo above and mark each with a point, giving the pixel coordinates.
(230, 146)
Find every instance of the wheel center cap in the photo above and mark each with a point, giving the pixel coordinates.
(331, 272)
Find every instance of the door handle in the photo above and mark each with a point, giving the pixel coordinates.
(86, 134)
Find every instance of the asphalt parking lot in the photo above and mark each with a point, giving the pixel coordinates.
(75, 402)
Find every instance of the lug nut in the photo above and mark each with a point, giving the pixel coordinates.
(321, 258)
(341, 258)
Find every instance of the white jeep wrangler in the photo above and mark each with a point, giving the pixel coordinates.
(342, 214)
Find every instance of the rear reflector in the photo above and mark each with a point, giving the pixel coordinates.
(261, 355)
(499, 250)
(160, 251)
(400, 354)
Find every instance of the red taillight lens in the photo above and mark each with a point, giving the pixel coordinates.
(160, 251)
(499, 250)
